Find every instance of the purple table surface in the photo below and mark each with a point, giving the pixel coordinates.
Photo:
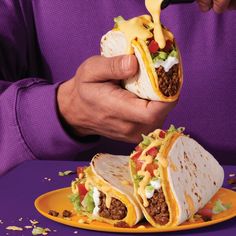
(22, 185)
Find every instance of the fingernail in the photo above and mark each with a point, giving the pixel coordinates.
(126, 62)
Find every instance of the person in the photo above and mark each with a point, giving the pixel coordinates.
(57, 97)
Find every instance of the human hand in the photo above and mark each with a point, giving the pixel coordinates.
(93, 102)
(219, 6)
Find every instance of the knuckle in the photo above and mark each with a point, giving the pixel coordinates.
(128, 130)
(151, 118)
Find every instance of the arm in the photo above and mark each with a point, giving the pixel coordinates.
(29, 123)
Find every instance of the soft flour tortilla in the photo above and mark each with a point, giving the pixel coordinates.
(190, 176)
(145, 83)
(110, 174)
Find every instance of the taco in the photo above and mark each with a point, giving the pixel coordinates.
(173, 176)
(104, 191)
(160, 75)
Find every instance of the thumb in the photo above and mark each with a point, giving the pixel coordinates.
(110, 68)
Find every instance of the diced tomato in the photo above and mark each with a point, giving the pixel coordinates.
(82, 191)
(138, 163)
(168, 46)
(138, 148)
(80, 170)
(205, 212)
(153, 46)
(162, 134)
(136, 155)
(152, 152)
(151, 167)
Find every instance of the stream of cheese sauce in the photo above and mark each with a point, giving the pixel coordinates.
(136, 28)
(140, 27)
(154, 8)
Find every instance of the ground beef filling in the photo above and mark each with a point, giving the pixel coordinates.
(116, 211)
(121, 224)
(168, 81)
(158, 208)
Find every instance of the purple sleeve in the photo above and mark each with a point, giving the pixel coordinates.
(29, 124)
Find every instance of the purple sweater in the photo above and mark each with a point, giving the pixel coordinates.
(43, 42)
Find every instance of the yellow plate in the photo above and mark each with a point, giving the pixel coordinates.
(58, 201)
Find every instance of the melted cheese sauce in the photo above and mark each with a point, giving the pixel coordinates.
(190, 203)
(147, 159)
(104, 189)
(142, 184)
(108, 200)
(163, 161)
(154, 8)
(139, 27)
(136, 28)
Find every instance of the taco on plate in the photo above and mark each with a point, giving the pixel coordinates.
(173, 176)
(104, 191)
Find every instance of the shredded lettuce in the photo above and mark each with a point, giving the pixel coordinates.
(162, 55)
(40, 231)
(117, 20)
(149, 191)
(133, 166)
(75, 200)
(88, 202)
(67, 172)
(155, 179)
(137, 179)
(220, 207)
(173, 129)
(149, 188)
(146, 140)
(173, 53)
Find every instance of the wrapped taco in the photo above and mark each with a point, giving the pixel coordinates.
(173, 176)
(104, 191)
(160, 75)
